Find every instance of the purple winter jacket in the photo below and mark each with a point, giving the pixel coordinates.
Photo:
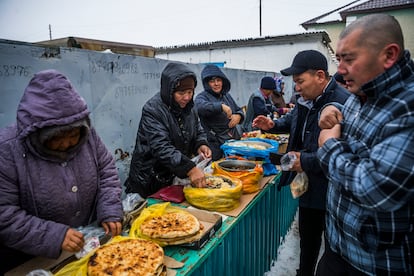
(42, 196)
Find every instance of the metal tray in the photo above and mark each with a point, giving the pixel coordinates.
(236, 165)
(251, 144)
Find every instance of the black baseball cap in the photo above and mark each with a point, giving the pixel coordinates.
(306, 60)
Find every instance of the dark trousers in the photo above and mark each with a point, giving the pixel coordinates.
(332, 263)
(311, 227)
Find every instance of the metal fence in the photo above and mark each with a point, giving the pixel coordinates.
(251, 246)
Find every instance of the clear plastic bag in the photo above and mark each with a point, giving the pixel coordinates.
(287, 161)
(299, 184)
(200, 163)
(91, 235)
(39, 272)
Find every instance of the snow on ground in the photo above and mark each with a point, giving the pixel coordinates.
(288, 253)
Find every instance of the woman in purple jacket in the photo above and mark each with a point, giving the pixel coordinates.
(55, 175)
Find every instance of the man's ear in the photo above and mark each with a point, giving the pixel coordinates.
(391, 55)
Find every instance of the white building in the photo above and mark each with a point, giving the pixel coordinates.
(270, 54)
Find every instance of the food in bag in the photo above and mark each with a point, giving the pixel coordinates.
(221, 194)
(299, 184)
(248, 172)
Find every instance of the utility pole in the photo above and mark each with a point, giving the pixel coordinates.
(260, 17)
(50, 32)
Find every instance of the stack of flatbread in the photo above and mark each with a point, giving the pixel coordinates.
(172, 228)
(128, 257)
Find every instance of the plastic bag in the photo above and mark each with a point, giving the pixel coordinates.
(80, 267)
(200, 163)
(91, 235)
(299, 184)
(223, 199)
(39, 272)
(250, 179)
(132, 206)
(287, 161)
(154, 210)
(131, 202)
(241, 148)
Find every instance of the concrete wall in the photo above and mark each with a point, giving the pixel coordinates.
(115, 87)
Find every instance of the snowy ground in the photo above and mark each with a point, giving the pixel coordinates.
(288, 253)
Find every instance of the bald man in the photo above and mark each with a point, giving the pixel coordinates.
(367, 149)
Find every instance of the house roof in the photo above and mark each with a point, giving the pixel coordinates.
(101, 45)
(378, 5)
(357, 6)
(271, 40)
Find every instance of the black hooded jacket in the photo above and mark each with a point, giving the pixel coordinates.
(168, 137)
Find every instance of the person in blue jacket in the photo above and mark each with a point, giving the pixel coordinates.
(219, 114)
(260, 102)
(316, 88)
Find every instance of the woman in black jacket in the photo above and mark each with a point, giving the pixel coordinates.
(169, 135)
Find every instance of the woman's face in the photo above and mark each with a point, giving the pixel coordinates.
(216, 84)
(65, 140)
(182, 98)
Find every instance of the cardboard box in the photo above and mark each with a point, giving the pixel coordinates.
(211, 222)
(282, 148)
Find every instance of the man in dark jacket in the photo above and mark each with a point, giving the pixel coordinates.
(260, 102)
(312, 81)
(219, 114)
(169, 135)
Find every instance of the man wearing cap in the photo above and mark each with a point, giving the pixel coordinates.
(309, 70)
(169, 135)
(260, 103)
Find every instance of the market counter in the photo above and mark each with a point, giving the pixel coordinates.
(246, 244)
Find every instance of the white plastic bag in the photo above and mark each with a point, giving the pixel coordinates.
(200, 163)
(299, 184)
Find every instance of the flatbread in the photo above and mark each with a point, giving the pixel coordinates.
(127, 257)
(171, 225)
(177, 241)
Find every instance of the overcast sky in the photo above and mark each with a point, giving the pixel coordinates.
(156, 22)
